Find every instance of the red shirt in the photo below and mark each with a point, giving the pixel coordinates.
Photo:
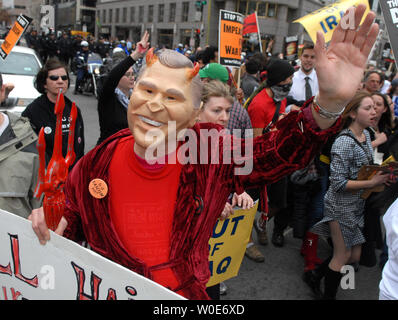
(262, 109)
(142, 212)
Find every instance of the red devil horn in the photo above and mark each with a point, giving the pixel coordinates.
(60, 103)
(194, 71)
(150, 58)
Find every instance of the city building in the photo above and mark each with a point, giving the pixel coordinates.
(74, 14)
(196, 22)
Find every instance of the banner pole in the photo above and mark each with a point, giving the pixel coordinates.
(259, 34)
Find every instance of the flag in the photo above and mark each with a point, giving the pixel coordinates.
(98, 23)
(250, 24)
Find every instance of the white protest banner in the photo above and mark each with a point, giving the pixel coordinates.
(64, 270)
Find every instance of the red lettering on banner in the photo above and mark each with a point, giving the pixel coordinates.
(94, 282)
(5, 293)
(15, 294)
(111, 294)
(6, 270)
(34, 282)
(131, 291)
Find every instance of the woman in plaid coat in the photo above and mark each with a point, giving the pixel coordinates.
(343, 214)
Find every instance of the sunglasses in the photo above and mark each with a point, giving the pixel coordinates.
(129, 74)
(55, 78)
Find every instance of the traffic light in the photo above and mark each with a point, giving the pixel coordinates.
(199, 4)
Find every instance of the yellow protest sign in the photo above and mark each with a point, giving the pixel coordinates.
(228, 244)
(327, 18)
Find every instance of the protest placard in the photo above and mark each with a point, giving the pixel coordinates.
(228, 244)
(14, 35)
(64, 270)
(327, 18)
(390, 13)
(230, 38)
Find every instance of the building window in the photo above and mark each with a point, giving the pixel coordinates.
(252, 7)
(110, 15)
(242, 7)
(117, 15)
(185, 11)
(141, 14)
(262, 9)
(124, 17)
(161, 13)
(172, 17)
(150, 13)
(103, 16)
(132, 14)
(272, 10)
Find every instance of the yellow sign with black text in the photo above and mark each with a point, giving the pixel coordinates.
(227, 246)
(327, 18)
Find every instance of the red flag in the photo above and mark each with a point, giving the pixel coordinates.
(250, 24)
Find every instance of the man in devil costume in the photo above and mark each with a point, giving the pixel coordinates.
(157, 219)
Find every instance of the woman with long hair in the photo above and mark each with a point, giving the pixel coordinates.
(343, 213)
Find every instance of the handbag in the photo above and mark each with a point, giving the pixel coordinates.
(305, 175)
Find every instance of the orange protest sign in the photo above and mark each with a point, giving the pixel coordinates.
(230, 38)
(14, 35)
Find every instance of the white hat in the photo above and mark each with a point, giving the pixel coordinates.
(84, 43)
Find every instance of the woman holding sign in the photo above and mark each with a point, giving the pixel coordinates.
(217, 105)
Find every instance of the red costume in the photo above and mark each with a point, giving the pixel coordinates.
(201, 196)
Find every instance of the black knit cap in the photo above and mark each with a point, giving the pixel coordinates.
(277, 71)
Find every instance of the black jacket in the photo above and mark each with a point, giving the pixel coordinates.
(112, 114)
(41, 114)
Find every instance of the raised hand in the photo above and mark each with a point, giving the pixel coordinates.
(141, 47)
(340, 67)
(5, 90)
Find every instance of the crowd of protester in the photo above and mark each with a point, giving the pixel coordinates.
(270, 88)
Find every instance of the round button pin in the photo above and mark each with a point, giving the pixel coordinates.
(98, 188)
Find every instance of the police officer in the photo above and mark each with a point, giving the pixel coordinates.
(81, 65)
(52, 45)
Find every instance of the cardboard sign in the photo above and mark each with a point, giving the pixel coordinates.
(228, 244)
(14, 35)
(64, 270)
(327, 18)
(390, 13)
(230, 38)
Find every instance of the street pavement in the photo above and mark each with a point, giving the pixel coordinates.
(279, 277)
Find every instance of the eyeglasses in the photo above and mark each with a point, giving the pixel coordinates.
(55, 78)
(129, 74)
